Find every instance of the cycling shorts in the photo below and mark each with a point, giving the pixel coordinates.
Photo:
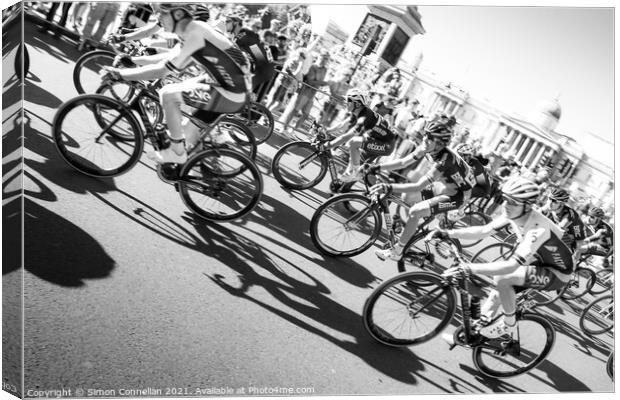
(481, 191)
(542, 278)
(211, 98)
(374, 147)
(443, 202)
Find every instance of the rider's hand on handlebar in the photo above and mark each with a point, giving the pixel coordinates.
(462, 271)
(368, 168)
(110, 74)
(439, 234)
(123, 60)
(116, 39)
(381, 188)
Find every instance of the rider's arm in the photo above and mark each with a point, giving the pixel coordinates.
(155, 58)
(476, 232)
(597, 235)
(147, 30)
(173, 63)
(345, 137)
(404, 162)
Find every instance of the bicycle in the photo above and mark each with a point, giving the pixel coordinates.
(414, 307)
(604, 281)
(301, 165)
(354, 221)
(254, 116)
(598, 316)
(217, 183)
(610, 365)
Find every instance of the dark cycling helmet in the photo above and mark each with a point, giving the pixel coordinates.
(559, 195)
(356, 95)
(596, 212)
(521, 190)
(439, 130)
(201, 12)
(464, 150)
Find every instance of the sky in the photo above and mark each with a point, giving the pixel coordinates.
(518, 56)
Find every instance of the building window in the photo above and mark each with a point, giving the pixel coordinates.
(395, 47)
(366, 28)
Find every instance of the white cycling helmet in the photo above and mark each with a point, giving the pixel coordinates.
(521, 190)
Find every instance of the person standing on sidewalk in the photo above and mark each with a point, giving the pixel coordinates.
(52, 13)
(102, 13)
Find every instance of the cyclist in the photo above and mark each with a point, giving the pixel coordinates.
(541, 260)
(447, 168)
(222, 90)
(367, 132)
(600, 236)
(482, 188)
(263, 66)
(566, 219)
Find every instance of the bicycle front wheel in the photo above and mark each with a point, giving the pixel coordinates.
(97, 135)
(87, 78)
(604, 281)
(581, 282)
(345, 225)
(220, 184)
(598, 316)
(298, 166)
(258, 119)
(536, 338)
(409, 308)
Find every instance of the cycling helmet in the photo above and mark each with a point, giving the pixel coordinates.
(596, 212)
(170, 7)
(356, 95)
(439, 130)
(521, 190)
(201, 12)
(234, 17)
(559, 195)
(464, 150)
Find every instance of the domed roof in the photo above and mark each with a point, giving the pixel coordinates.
(550, 107)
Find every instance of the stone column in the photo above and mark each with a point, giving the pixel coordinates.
(531, 155)
(523, 148)
(538, 156)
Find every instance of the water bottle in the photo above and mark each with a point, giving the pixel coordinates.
(475, 307)
(163, 141)
(397, 224)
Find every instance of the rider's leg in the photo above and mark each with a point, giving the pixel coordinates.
(171, 99)
(419, 210)
(507, 298)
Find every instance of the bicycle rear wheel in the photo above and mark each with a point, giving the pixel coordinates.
(258, 119)
(536, 338)
(604, 281)
(581, 282)
(220, 184)
(86, 133)
(298, 166)
(409, 308)
(87, 79)
(345, 225)
(598, 316)
(610, 366)
(235, 136)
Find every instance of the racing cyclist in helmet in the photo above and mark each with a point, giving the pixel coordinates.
(366, 131)
(259, 53)
(223, 89)
(541, 260)
(447, 168)
(566, 219)
(600, 236)
(482, 187)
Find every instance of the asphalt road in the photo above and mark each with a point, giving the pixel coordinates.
(125, 289)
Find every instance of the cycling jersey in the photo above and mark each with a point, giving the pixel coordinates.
(479, 189)
(607, 238)
(450, 169)
(209, 48)
(569, 221)
(260, 55)
(375, 125)
(541, 243)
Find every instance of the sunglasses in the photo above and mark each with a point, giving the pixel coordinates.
(511, 202)
(556, 201)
